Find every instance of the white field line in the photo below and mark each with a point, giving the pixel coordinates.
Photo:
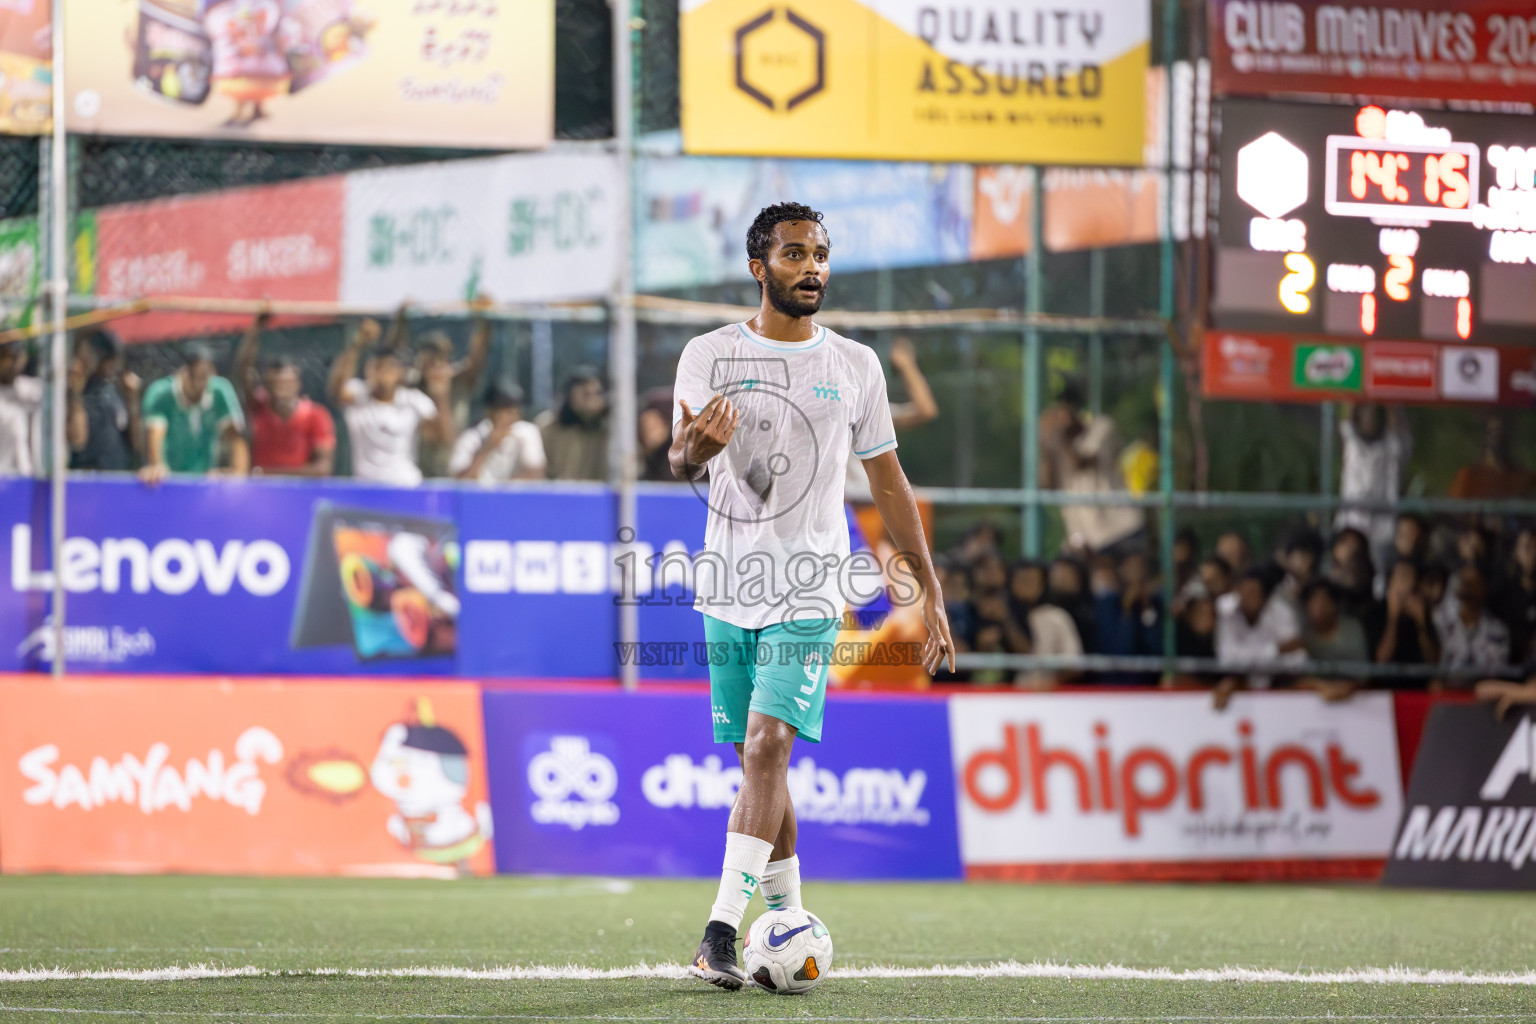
(225, 1015)
(669, 972)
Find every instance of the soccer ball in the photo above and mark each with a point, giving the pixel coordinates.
(788, 951)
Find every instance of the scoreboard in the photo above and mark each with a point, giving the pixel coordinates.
(1361, 222)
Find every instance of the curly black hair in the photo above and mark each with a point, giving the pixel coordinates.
(760, 234)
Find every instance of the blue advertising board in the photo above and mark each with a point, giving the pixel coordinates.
(332, 578)
(605, 782)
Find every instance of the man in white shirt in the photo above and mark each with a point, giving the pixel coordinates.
(383, 416)
(770, 409)
(21, 399)
(1254, 627)
(502, 446)
(1377, 446)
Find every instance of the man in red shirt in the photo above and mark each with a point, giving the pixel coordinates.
(290, 435)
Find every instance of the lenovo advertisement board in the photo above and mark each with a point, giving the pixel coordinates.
(1165, 786)
(1469, 821)
(599, 782)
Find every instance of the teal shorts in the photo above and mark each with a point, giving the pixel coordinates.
(778, 670)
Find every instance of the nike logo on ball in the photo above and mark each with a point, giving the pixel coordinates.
(778, 934)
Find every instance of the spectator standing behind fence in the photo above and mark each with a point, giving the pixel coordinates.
(188, 417)
(21, 402)
(290, 434)
(654, 432)
(576, 432)
(436, 349)
(1516, 602)
(1080, 455)
(1377, 446)
(1470, 636)
(1052, 633)
(1129, 618)
(920, 408)
(1254, 627)
(382, 414)
(1408, 636)
(103, 424)
(501, 447)
(1494, 474)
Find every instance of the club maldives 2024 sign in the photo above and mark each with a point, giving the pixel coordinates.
(910, 80)
(1481, 50)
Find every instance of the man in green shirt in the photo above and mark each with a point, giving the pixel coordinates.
(186, 415)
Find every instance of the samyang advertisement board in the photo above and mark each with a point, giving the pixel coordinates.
(1469, 821)
(599, 782)
(1163, 785)
(263, 777)
(247, 577)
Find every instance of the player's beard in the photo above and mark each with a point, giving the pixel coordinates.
(791, 300)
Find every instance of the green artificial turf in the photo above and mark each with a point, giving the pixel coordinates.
(310, 924)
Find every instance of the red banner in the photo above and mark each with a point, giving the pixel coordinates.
(1421, 49)
(276, 241)
(290, 778)
(1278, 368)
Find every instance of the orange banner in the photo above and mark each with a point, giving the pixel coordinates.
(268, 778)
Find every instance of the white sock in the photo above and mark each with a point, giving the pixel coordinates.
(746, 858)
(781, 883)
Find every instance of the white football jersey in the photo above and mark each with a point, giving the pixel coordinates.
(776, 541)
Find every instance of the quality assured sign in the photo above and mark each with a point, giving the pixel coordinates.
(909, 80)
(1164, 785)
(1418, 49)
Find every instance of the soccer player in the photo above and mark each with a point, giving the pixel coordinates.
(769, 409)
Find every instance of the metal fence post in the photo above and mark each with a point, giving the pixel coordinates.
(1166, 310)
(1034, 300)
(621, 354)
(54, 200)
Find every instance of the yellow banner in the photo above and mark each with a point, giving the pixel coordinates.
(914, 80)
(472, 73)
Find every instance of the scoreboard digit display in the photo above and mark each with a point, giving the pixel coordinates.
(1360, 222)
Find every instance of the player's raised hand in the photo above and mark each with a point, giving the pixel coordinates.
(708, 431)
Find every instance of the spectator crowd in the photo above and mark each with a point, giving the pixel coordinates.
(1456, 600)
(1394, 589)
(410, 411)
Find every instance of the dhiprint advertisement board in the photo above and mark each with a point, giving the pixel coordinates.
(476, 74)
(1163, 785)
(912, 80)
(264, 778)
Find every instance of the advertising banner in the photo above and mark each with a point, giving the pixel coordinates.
(694, 214)
(340, 579)
(525, 228)
(263, 778)
(1084, 209)
(631, 784)
(1414, 49)
(1298, 368)
(274, 241)
(1164, 786)
(901, 80)
(26, 69)
(22, 271)
(1469, 821)
(472, 73)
